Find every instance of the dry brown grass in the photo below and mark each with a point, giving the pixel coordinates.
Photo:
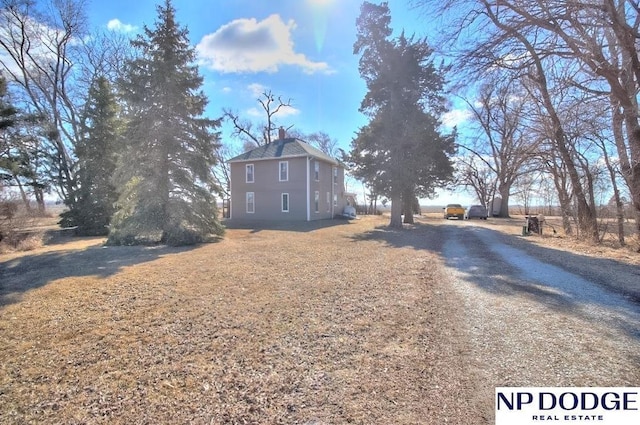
(26, 231)
(323, 325)
(329, 323)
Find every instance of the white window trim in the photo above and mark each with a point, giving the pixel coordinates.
(328, 201)
(335, 175)
(253, 196)
(316, 201)
(253, 173)
(280, 171)
(316, 170)
(282, 202)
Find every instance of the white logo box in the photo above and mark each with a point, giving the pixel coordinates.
(567, 405)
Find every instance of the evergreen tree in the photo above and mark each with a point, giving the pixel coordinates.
(7, 111)
(97, 154)
(8, 118)
(167, 184)
(400, 153)
(23, 161)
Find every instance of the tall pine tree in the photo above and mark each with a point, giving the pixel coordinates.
(400, 153)
(167, 185)
(97, 153)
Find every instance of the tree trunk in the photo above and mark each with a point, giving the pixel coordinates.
(396, 211)
(616, 196)
(564, 198)
(591, 204)
(587, 221)
(164, 191)
(626, 94)
(39, 195)
(407, 205)
(619, 212)
(617, 120)
(408, 199)
(504, 190)
(632, 174)
(23, 195)
(565, 211)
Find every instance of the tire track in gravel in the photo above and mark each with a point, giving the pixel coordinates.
(530, 323)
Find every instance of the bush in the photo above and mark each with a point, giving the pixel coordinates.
(179, 236)
(12, 223)
(129, 238)
(31, 242)
(18, 241)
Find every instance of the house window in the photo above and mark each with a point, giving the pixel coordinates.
(251, 203)
(317, 201)
(328, 201)
(335, 175)
(284, 171)
(335, 200)
(285, 202)
(250, 178)
(316, 170)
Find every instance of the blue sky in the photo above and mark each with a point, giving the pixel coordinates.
(301, 50)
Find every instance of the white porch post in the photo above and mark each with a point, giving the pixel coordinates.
(308, 189)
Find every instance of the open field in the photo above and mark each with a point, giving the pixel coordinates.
(328, 323)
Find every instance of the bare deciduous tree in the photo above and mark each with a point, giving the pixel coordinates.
(535, 38)
(475, 173)
(323, 142)
(38, 56)
(504, 145)
(50, 62)
(258, 135)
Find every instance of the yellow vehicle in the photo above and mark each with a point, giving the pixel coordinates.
(454, 210)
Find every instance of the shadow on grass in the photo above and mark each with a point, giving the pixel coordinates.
(289, 226)
(417, 236)
(30, 271)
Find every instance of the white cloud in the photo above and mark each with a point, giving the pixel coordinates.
(248, 45)
(455, 117)
(284, 111)
(227, 90)
(41, 38)
(287, 111)
(256, 89)
(254, 112)
(116, 25)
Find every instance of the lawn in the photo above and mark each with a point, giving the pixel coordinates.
(333, 322)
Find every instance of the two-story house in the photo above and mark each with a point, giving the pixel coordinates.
(286, 180)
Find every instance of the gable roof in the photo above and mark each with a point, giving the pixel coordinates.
(283, 148)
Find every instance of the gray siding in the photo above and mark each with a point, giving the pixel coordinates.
(325, 185)
(268, 190)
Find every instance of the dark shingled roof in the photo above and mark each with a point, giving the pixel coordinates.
(283, 148)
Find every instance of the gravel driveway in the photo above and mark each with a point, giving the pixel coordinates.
(536, 317)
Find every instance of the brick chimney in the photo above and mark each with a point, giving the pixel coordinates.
(281, 133)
